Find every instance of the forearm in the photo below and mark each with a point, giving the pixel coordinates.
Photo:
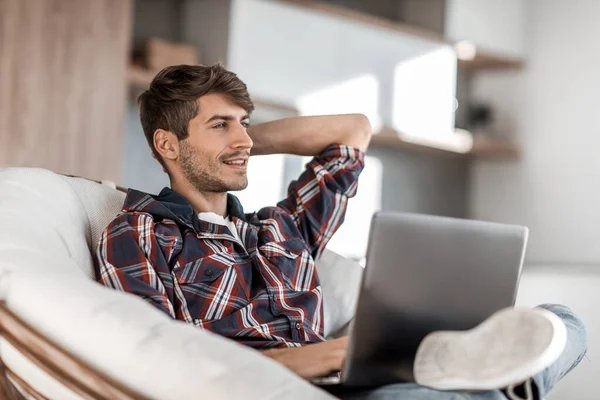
(309, 136)
(312, 360)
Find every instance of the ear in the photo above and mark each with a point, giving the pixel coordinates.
(166, 144)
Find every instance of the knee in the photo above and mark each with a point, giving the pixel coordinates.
(558, 309)
(575, 325)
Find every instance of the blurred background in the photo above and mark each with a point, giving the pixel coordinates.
(482, 109)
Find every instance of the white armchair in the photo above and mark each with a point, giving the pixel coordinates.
(64, 336)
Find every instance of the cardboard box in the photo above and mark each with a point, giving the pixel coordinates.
(155, 54)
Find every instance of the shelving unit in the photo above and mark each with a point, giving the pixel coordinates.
(484, 60)
(139, 79)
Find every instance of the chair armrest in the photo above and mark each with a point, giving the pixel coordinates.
(56, 362)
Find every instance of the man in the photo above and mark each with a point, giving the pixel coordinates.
(193, 253)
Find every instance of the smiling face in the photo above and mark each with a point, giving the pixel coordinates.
(214, 157)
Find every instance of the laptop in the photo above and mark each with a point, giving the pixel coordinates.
(425, 273)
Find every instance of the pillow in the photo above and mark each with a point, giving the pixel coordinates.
(340, 281)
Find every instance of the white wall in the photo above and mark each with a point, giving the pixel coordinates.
(555, 188)
(494, 25)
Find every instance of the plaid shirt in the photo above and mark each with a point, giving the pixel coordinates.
(261, 290)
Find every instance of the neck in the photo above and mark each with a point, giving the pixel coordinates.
(202, 201)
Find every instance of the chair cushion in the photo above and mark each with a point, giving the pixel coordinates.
(43, 223)
(101, 204)
(123, 337)
(340, 279)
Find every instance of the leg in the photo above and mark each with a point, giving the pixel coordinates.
(511, 347)
(412, 391)
(574, 351)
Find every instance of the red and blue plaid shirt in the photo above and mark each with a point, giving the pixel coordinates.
(262, 289)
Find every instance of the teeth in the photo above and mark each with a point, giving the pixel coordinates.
(237, 162)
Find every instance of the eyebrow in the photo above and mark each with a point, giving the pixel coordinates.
(225, 118)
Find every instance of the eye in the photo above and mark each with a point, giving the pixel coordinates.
(220, 125)
(245, 124)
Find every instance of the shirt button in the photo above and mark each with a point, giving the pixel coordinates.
(208, 272)
(298, 325)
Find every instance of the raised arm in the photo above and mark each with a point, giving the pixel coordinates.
(309, 136)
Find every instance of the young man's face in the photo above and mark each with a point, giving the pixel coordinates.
(214, 157)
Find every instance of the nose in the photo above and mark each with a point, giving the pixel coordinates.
(241, 138)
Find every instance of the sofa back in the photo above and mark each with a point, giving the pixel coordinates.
(52, 221)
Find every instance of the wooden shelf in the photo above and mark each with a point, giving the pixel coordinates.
(389, 139)
(485, 60)
(482, 149)
(494, 149)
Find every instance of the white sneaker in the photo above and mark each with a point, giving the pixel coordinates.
(507, 349)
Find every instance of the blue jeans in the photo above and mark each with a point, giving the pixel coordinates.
(545, 381)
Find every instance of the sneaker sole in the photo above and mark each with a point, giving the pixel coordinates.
(508, 348)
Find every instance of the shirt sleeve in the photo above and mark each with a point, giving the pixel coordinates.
(131, 259)
(317, 201)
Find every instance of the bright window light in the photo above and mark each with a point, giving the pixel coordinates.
(424, 103)
(357, 95)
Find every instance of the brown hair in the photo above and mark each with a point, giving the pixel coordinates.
(172, 99)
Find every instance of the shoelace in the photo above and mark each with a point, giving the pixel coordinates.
(510, 391)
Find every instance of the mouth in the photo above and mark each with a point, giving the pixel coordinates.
(238, 163)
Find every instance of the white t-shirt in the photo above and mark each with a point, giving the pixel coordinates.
(219, 220)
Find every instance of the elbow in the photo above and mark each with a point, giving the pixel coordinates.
(363, 125)
(361, 132)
